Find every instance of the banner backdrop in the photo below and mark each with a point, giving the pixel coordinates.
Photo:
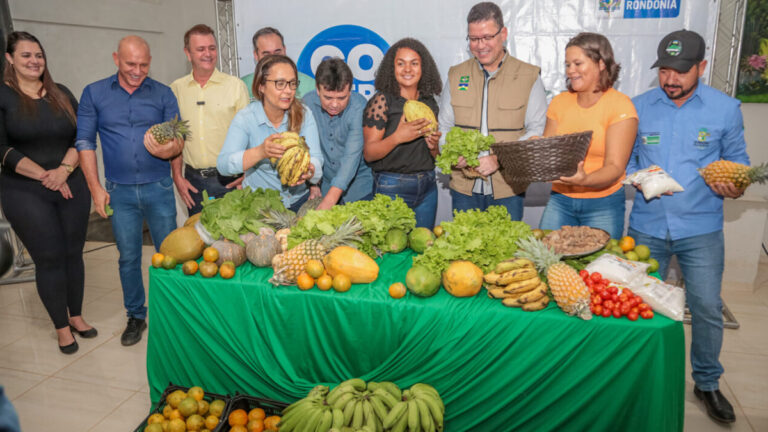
(360, 31)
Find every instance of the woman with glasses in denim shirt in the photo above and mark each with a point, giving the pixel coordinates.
(400, 153)
(250, 139)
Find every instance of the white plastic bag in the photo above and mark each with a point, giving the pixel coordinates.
(618, 270)
(654, 181)
(666, 299)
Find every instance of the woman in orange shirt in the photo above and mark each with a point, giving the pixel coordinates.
(594, 195)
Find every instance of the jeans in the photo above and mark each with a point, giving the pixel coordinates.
(514, 204)
(214, 184)
(701, 259)
(606, 213)
(418, 190)
(132, 204)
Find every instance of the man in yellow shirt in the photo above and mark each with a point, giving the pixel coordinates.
(208, 99)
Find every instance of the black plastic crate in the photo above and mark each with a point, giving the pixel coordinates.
(248, 403)
(208, 396)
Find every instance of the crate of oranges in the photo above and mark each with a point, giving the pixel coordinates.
(184, 409)
(252, 414)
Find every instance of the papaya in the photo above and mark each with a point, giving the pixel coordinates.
(183, 243)
(463, 279)
(396, 240)
(422, 281)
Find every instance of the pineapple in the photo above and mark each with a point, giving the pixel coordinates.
(283, 220)
(740, 175)
(569, 290)
(290, 264)
(164, 132)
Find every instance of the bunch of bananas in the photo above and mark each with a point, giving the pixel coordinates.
(294, 161)
(374, 407)
(517, 283)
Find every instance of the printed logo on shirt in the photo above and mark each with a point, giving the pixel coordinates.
(674, 47)
(464, 82)
(652, 138)
(701, 139)
(360, 47)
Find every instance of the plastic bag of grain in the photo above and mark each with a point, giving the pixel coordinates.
(654, 182)
(618, 270)
(666, 299)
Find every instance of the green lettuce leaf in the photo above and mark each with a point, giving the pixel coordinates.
(460, 142)
(238, 212)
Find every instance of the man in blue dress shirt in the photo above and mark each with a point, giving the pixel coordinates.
(685, 125)
(138, 184)
(339, 115)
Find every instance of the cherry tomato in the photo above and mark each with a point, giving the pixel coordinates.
(615, 297)
(583, 273)
(598, 310)
(624, 308)
(613, 290)
(597, 299)
(596, 277)
(635, 310)
(640, 299)
(628, 292)
(608, 304)
(642, 307)
(605, 294)
(623, 298)
(632, 316)
(646, 314)
(606, 312)
(616, 313)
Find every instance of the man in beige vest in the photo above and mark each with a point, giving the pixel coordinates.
(495, 94)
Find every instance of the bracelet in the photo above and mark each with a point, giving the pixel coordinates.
(68, 167)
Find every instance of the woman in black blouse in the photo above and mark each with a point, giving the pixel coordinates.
(399, 152)
(42, 191)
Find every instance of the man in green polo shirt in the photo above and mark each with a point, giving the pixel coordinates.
(268, 41)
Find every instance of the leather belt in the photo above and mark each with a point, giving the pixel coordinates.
(204, 172)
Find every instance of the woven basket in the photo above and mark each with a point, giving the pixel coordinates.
(543, 159)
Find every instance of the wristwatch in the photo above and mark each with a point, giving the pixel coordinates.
(68, 167)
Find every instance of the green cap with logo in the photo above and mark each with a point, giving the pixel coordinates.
(680, 50)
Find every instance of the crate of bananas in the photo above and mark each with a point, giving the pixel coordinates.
(517, 284)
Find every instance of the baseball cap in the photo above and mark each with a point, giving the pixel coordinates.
(680, 50)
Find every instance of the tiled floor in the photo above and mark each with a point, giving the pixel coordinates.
(104, 386)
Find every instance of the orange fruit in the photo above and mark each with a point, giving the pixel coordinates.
(211, 421)
(167, 410)
(155, 418)
(256, 414)
(238, 417)
(169, 262)
(208, 269)
(305, 281)
(190, 267)
(397, 290)
(341, 283)
(270, 423)
(157, 260)
(627, 243)
(210, 254)
(255, 426)
(314, 268)
(196, 392)
(175, 414)
(227, 270)
(202, 407)
(238, 428)
(324, 282)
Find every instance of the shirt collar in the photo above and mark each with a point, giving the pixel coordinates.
(696, 97)
(216, 77)
(261, 116)
(490, 74)
(115, 82)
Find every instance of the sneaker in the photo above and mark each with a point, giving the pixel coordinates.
(132, 333)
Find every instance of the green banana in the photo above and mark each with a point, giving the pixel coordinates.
(394, 414)
(338, 392)
(342, 401)
(400, 425)
(393, 389)
(370, 416)
(357, 417)
(379, 407)
(325, 422)
(386, 397)
(407, 394)
(309, 421)
(427, 423)
(349, 411)
(372, 385)
(357, 383)
(434, 408)
(414, 425)
(294, 406)
(338, 418)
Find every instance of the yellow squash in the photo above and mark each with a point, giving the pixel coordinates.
(356, 265)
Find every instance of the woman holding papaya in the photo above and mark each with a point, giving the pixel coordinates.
(252, 135)
(594, 195)
(401, 154)
(42, 191)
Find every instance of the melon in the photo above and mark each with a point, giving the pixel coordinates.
(422, 281)
(420, 239)
(183, 243)
(463, 279)
(395, 241)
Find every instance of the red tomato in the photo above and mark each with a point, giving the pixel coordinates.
(608, 304)
(597, 310)
(597, 299)
(615, 297)
(606, 312)
(632, 316)
(596, 277)
(623, 298)
(634, 302)
(613, 290)
(640, 299)
(635, 310)
(583, 273)
(624, 308)
(616, 313)
(629, 293)
(642, 307)
(605, 294)
(646, 314)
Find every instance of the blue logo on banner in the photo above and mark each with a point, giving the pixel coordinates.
(360, 47)
(652, 8)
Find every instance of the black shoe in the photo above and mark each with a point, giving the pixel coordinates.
(717, 405)
(132, 333)
(90, 333)
(69, 349)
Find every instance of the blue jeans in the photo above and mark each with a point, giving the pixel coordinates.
(418, 190)
(132, 203)
(514, 204)
(701, 259)
(605, 213)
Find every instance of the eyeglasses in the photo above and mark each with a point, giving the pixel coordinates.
(486, 39)
(280, 84)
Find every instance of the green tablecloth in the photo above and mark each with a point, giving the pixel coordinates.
(496, 368)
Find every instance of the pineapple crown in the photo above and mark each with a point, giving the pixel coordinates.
(279, 219)
(348, 234)
(535, 250)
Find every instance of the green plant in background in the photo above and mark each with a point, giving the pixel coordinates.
(753, 74)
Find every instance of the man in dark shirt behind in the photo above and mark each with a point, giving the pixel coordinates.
(138, 184)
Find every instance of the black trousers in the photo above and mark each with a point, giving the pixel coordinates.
(208, 179)
(53, 231)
